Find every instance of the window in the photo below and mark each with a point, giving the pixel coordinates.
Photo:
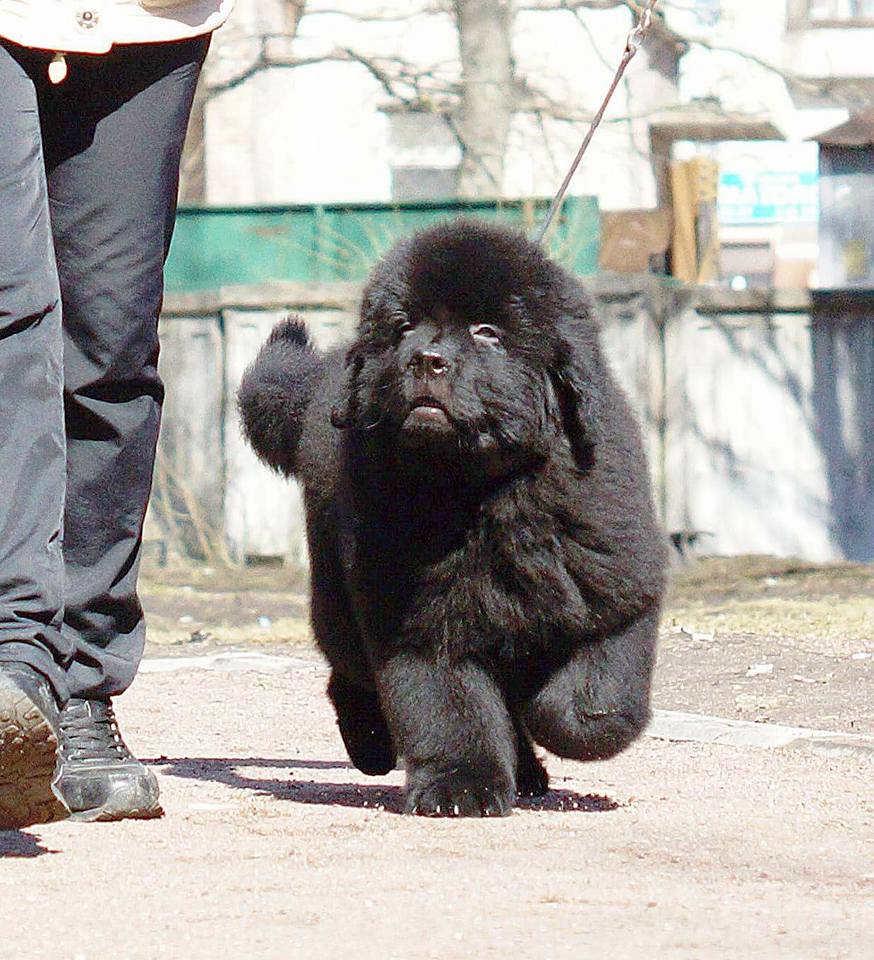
(424, 155)
(424, 183)
(839, 13)
(747, 264)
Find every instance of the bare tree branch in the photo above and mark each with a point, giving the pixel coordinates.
(453, 89)
(427, 9)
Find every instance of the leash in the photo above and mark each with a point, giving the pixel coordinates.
(635, 41)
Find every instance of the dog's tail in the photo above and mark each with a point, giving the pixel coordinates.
(275, 392)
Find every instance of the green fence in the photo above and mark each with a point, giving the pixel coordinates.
(217, 246)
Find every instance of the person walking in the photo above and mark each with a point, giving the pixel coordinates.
(95, 97)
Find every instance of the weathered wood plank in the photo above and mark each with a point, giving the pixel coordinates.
(757, 410)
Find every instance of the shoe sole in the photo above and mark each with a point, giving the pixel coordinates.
(132, 797)
(108, 814)
(120, 807)
(28, 754)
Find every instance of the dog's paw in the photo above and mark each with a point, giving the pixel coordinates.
(459, 794)
(374, 757)
(363, 728)
(532, 780)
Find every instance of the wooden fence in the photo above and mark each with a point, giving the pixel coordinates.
(757, 408)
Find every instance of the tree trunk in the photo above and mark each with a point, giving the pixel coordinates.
(192, 172)
(484, 28)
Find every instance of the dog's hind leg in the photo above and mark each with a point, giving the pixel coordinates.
(532, 780)
(362, 726)
(451, 725)
(598, 703)
(351, 687)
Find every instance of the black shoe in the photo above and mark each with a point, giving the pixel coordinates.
(29, 735)
(98, 777)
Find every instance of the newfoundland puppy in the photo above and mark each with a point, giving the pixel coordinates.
(486, 566)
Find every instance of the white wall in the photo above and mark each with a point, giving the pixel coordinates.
(759, 29)
(318, 134)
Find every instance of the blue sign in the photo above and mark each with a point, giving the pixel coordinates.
(768, 197)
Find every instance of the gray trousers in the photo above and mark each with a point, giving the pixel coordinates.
(88, 179)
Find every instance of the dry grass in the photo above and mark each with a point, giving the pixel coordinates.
(830, 604)
(828, 607)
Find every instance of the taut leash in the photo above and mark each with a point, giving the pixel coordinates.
(634, 42)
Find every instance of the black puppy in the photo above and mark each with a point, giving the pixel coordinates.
(486, 566)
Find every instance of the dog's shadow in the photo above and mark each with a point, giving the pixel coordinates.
(389, 798)
(15, 844)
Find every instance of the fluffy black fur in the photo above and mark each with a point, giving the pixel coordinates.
(486, 566)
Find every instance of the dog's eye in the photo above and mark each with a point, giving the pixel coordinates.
(485, 333)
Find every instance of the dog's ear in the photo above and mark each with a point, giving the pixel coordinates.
(378, 299)
(576, 384)
(346, 413)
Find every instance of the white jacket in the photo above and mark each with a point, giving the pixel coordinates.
(93, 26)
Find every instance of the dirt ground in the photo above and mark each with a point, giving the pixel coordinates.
(273, 847)
(754, 638)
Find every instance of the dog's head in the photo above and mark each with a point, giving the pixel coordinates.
(473, 348)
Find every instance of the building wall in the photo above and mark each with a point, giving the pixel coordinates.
(757, 411)
(750, 48)
(321, 133)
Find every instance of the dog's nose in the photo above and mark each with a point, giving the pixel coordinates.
(429, 363)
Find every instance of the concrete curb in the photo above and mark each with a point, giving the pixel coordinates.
(231, 661)
(696, 728)
(673, 725)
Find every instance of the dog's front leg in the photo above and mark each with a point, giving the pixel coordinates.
(450, 723)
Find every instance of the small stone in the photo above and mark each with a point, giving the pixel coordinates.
(746, 702)
(759, 669)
